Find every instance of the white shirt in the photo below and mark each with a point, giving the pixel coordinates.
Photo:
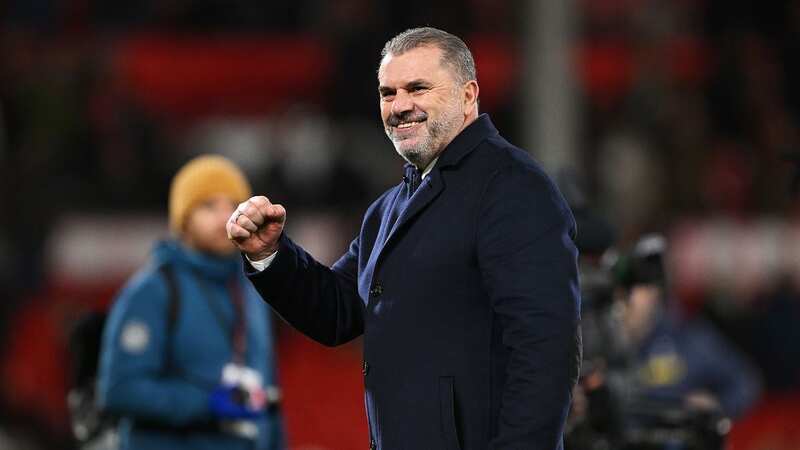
(262, 264)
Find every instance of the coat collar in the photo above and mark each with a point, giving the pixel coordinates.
(172, 251)
(433, 184)
(466, 141)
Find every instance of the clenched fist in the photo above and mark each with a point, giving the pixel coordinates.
(255, 227)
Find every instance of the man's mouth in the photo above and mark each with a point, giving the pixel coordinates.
(407, 125)
(406, 122)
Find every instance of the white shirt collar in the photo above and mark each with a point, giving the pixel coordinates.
(429, 168)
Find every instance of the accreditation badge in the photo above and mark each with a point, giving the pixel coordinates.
(247, 379)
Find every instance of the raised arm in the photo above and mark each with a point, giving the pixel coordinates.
(319, 301)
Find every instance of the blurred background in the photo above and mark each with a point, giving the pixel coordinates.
(680, 117)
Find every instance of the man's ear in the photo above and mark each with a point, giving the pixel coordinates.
(470, 96)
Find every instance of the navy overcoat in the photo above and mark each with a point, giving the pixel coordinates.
(466, 292)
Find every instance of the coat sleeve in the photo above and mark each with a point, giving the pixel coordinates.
(131, 378)
(321, 302)
(528, 261)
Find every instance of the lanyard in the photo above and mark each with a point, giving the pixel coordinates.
(238, 330)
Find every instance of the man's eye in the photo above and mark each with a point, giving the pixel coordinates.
(419, 88)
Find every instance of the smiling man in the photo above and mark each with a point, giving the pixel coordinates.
(462, 280)
(421, 115)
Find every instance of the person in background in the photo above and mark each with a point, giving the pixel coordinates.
(187, 358)
(667, 362)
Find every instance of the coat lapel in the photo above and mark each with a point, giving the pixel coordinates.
(429, 189)
(432, 185)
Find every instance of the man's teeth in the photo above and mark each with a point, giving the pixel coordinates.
(407, 124)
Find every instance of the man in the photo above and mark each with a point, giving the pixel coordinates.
(187, 356)
(672, 361)
(463, 279)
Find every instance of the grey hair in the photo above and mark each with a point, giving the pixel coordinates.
(455, 52)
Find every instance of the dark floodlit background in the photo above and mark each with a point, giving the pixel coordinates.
(673, 116)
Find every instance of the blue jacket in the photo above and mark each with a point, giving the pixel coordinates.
(467, 298)
(678, 358)
(149, 374)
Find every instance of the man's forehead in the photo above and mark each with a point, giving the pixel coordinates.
(418, 63)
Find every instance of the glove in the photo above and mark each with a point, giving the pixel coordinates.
(229, 402)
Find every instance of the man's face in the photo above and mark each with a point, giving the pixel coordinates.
(422, 103)
(205, 227)
(642, 309)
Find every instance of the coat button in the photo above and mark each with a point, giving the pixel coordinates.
(372, 445)
(364, 368)
(377, 290)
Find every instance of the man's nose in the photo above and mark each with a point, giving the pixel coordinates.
(402, 103)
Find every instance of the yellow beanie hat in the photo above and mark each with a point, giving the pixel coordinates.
(200, 179)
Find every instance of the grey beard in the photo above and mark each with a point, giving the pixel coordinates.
(418, 155)
(422, 154)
